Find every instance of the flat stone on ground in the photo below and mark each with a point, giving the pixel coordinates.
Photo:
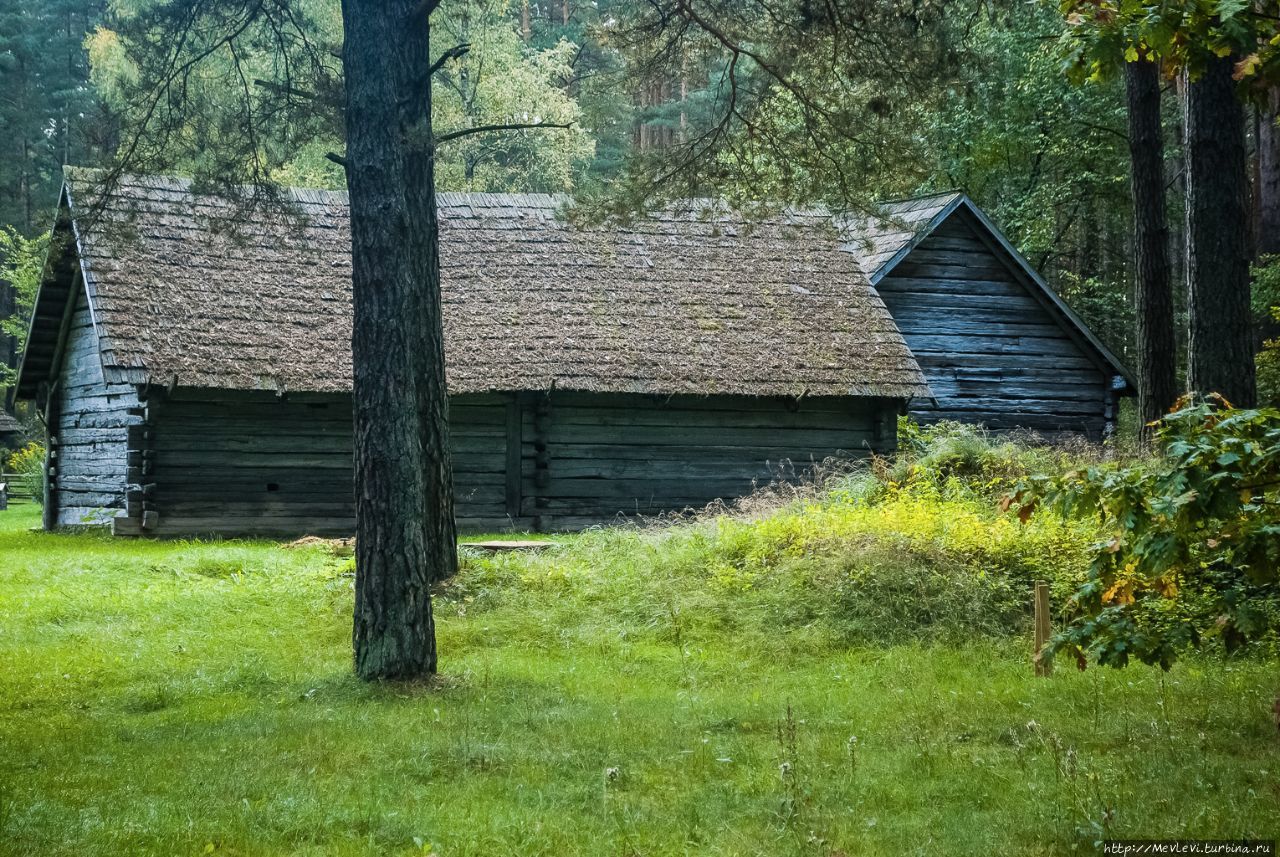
(498, 545)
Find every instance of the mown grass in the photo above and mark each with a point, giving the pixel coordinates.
(188, 698)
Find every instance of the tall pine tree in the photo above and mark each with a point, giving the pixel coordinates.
(194, 64)
(405, 537)
(1220, 343)
(1157, 347)
(49, 115)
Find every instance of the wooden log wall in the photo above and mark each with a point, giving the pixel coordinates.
(89, 423)
(479, 426)
(253, 463)
(256, 464)
(589, 458)
(992, 351)
(141, 515)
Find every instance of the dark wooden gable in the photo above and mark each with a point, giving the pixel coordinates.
(997, 347)
(88, 422)
(60, 283)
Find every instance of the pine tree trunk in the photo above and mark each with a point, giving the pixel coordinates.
(405, 536)
(1157, 349)
(1269, 175)
(24, 189)
(1220, 345)
(1088, 250)
(8, 345)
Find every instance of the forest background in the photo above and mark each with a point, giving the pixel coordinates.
(995, 113)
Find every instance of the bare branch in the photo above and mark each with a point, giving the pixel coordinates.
(336, 158)
(284, 90)
(423, 10)
(455, 52)
(488, 129)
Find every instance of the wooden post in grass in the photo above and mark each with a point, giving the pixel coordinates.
(1043, 628)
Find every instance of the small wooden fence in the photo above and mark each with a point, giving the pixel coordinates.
(14, 490)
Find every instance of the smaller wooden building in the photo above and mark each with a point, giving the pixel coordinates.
(997, 345)
(10, 429)
(192, 361)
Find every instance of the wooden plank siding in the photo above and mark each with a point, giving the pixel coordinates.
(88, 430)
(595, 457)
(244, 463)
(232, 463)
(993, 352)
(229, 463)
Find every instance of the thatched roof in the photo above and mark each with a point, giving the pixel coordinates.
(676, 303)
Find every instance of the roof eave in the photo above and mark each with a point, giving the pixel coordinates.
(921, 233)
(962, 200)
(26, 388)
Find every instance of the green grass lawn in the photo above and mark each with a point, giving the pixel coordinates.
(186, 698)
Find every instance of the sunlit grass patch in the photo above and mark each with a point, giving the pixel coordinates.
(836, 674)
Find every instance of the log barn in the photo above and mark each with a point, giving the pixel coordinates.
(996, 343)
(191, 359)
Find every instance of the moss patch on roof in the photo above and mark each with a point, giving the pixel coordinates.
(674, 303)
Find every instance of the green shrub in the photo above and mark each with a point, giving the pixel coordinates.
(21, 266)
(975, 460)
(1265, 303)
(1189, 546)
(1269, 368)
(28, 464)
(861, 559)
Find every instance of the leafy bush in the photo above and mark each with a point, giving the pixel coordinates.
(1265, 288)
(1265, 303)
(1191, 539)
(864, 558)
(1269, 368)
(974, 460)
(948, 450)
(28, 464)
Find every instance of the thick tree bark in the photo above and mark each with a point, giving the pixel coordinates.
(8, 345)
(1089, 250)
(1157, 348)
(1268, 190)
(405, 535)
(1220, 345)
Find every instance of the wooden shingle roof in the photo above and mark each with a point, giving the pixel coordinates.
(880, 242)
(675, 303)
(9, 424)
